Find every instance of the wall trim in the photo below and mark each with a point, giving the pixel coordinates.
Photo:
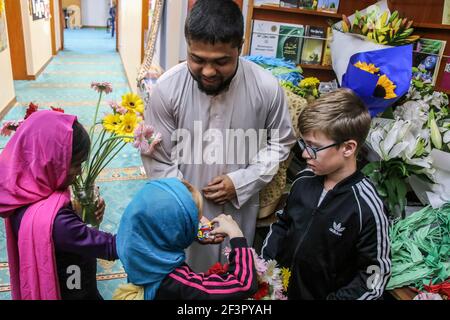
(34, 77)
(8, 107)
(132, 88)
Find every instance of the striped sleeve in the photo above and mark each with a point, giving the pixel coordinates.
(240, 282)
(373, 246)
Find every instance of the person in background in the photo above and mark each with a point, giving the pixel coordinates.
(112, 14)
(333, 232)
(51, 252)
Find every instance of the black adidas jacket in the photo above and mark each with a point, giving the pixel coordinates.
(339, 250)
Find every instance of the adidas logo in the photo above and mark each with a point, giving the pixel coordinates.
(337, 229)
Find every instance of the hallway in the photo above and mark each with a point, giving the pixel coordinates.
(89, 56)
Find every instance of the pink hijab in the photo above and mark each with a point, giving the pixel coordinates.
(33, 166)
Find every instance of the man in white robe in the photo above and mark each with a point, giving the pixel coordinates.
(224, 122)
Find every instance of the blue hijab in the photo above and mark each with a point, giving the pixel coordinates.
(159, 223)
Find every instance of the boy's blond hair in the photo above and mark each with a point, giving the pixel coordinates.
(340, 115)
(196, 195)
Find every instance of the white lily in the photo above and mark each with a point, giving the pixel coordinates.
(393, 143)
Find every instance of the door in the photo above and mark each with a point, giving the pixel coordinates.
(16, 39)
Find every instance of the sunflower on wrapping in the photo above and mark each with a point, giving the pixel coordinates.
(385, 88)
(372, 55)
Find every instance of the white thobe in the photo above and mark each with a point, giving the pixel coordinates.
(186, 116)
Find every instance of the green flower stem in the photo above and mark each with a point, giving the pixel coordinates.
(91, 131)
(110, 159)
(103, 152)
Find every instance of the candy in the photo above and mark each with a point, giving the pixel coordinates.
(204, 230)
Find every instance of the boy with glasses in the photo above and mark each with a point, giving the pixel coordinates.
(333, 231)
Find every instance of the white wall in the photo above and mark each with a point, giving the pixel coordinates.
(7, 92)
(56, 17)
(130, 39)
(94, 13)
(37, 38)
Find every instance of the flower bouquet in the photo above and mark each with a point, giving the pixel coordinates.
(372, 55)
(124, 125)
(272, 281)
(413, 147)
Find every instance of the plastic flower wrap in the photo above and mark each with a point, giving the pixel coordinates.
(429, 112)
(284, 70)
(413, 148)
(362, 43)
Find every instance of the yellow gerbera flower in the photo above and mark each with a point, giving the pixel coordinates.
(2, 6)
(385, 88)
(367, 67)
(128, 122)
(309, 82)
(133, 102)
(111, 122)
(285, 276)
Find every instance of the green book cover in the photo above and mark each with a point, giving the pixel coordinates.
(308, 4)
(290, 42)
(446, 12)
(427, 57)
(312, 48)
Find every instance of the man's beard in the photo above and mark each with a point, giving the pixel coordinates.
(212, 92)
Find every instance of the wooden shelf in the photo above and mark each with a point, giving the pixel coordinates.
(299, 11)
(428, 25)
(315, 66)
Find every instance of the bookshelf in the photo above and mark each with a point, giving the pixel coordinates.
(427, 16)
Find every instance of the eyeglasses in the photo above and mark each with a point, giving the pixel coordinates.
(312, 152)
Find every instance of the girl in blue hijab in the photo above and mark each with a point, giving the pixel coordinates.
(159, 223)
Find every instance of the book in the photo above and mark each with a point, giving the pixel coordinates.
(290, 42)
(308, 4)
(289, 3)
(328, 5)
(446, 12)
(326, 60)
(313, 45)
(265, 36)
(258, 3)
(445, 82)
(426, 58)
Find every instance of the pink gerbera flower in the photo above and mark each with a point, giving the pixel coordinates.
(105, 87)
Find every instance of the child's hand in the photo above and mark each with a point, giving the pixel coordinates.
(218, 238)
(226, 225)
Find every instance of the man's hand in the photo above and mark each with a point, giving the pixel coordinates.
(220, 190)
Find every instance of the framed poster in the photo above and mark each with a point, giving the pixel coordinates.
(39, 9)
(3, 36)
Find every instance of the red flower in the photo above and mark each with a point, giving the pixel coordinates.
(32, 108)
(263, 290)
(57, 109)
(218, 268)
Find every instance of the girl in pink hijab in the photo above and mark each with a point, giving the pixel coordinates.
(51, 251)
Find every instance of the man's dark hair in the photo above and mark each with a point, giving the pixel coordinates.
(80, 142)
(213, 21)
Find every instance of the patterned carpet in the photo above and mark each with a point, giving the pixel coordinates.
(89, 56)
